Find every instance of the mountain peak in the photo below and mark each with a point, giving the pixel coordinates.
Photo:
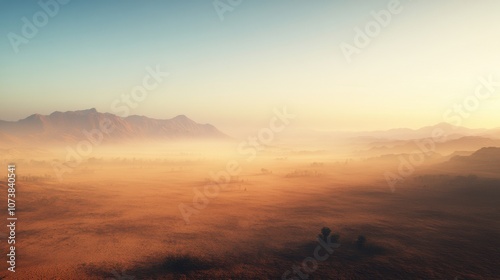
(33, 117)
(83, 112)
(88, 111)
(60, 126)
(182, 118)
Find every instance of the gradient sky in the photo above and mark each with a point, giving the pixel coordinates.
(232, 73)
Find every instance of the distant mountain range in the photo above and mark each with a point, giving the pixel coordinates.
(484, 162)
(403, 140)
(487, 155)
(66, 127)
(465, 143)
(407, 134)
(63, 127)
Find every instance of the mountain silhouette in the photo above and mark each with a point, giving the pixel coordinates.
(75, 125)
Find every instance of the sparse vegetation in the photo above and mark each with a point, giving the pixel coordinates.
(303, 173)
(265, 171)
(325, 233)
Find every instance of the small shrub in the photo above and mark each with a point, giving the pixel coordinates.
(325, 232)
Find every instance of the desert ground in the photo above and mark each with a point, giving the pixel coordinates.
(117, 216)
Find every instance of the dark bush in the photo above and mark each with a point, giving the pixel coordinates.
(325, 232)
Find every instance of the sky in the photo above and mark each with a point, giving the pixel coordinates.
(232, 68)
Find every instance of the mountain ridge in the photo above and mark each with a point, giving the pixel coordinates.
(72, 125)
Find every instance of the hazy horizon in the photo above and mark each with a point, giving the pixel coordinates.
(250, 129)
